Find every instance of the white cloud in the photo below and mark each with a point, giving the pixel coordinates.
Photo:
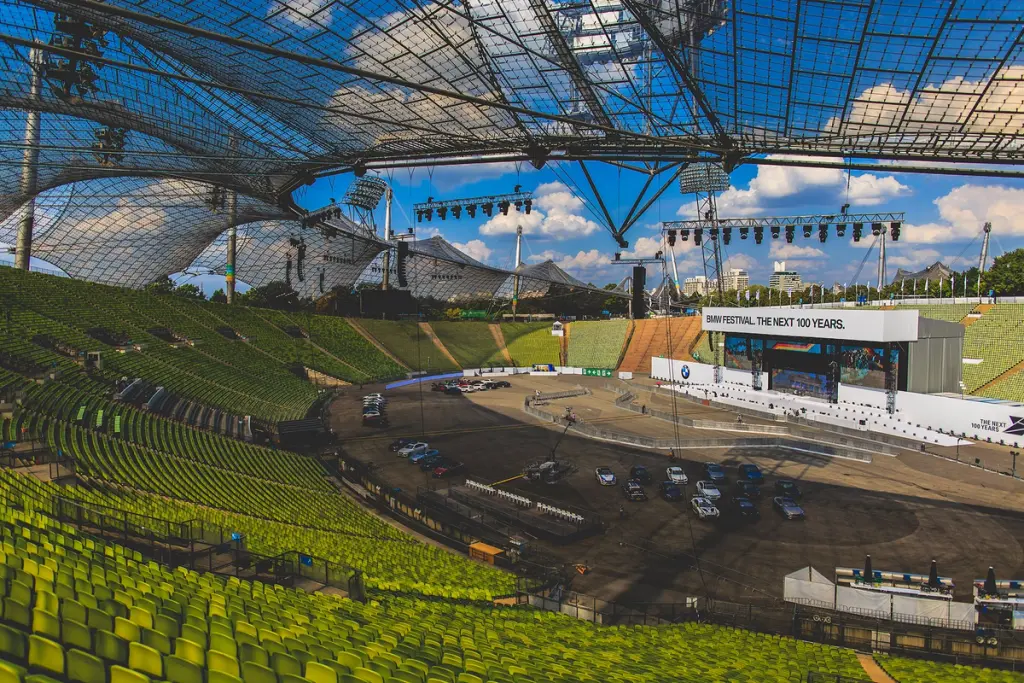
(474, 249)
(962, 213)
(584, 260)
(646, 247)
(785, 250)
(778, 185)
(913, 259)
(304, 14)
(740, 261)
(546, 255)
(448, 178)
(555, 215)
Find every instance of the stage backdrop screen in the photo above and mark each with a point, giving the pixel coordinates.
(814, 323)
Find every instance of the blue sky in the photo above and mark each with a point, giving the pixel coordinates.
(944, 216)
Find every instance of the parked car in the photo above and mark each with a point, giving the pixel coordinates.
(714, 472)
(605, 476)
(375, 420)
(676, 475)
(399, 443)
(640, 474)
(709, 490)
(788, 508)
(632, 490)
(787, 488)
(437, 386)
(670, 492)
(418, 457)
(704, 508)
(453, 390)
(377, 395)
(502, 384)
(750, 472)
(746, 489)
(413, 448)
(373, 409)
(429, 462)
(744, 508)
(447, 469)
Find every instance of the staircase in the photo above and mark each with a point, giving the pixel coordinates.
(669, 337)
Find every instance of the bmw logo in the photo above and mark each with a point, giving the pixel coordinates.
(686, 372)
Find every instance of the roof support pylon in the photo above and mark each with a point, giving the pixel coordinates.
(30, 165)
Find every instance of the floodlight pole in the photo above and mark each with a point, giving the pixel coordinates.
(515, 269)
(987, 229)
(30, 164)
(880, 280)
(229, 267)
(386, 279)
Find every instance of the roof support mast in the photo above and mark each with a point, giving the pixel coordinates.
(30, 165)
(987, 229)
(515, 269)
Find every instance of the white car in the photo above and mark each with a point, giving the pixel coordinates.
(709, 490)
(413, 449)
(676, 475)
(469, 389)
(605, 476)
(374, 397)
(704, 508)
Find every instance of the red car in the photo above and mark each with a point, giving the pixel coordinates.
(447, 469)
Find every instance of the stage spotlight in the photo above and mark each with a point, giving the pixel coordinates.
(471, 210)
(456, 212)
(744, 232)
(858, 230)
(714, 233)
(442, 212)
(428, 215)
(758, 234)
(519, 205)
(698, 233)
(685, 234)
(876, 229)
(671, 238)
(529, 206)
(504, 206)
(822, 233)
(775, 232)
(790, 233)
(726, 235)
(618, 256)
(841, 230)
(488, 208)
(807, 231)
(894, 231)
(419, 217)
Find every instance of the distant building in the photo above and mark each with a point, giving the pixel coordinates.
(935, 272)
(699, 285)
(735, 279)
(784, 280)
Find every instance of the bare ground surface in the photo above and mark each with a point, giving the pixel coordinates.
(903, 510)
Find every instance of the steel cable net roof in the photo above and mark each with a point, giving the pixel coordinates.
(437, 270)
(536, 280)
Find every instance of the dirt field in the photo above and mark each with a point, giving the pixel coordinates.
(904, 510)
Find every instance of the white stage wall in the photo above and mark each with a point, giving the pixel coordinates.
(822, 323)
(975, 420)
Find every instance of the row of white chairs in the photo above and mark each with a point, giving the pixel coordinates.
(560, 513)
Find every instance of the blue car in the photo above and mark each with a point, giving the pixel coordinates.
(424, 454)
(752, 473)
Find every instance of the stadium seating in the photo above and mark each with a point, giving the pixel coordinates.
(470, 342)
(662, 337)
(911, 670)
(79, 609)
(531, 343)
(997, 338)
(596, 344)
(952, 313)
(407, 342)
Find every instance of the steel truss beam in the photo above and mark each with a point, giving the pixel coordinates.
(783, 221)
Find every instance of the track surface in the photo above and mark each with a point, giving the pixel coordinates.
(904, 511)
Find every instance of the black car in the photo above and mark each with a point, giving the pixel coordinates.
(747, 489)
(431, 462)
(715, 472)
(399, 443)
(787, 488)
(453, 391)
(632, 490)
(744, 508)
(641, 474)
(502, 384)
(670, 491)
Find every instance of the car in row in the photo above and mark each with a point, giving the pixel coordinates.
(640, 474)
(468, 386)
(375, 410)
(428, 459)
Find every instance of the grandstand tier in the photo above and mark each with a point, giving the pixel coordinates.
(597, 344)
(470, 342)
(661, 337)
(531, 343)
(407, 342)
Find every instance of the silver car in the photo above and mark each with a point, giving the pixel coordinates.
(709, 490)
(676, 475)
(704, 508)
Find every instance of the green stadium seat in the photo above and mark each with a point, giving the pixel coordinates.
(85, 668)
(45, 655)
(119, 674)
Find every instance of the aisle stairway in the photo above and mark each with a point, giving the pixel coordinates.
(669, 337)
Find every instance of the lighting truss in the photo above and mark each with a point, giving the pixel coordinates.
(365, 192)
(817, 220)
(519, 200)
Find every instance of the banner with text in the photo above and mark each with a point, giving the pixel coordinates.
(842, 324)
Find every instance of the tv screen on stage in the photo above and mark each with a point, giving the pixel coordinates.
(794, 346)
(863, 366)
(737, 353)
(800, 383)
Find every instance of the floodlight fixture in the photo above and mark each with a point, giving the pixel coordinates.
(703, 177)
(744, 233)
(471, 210)
(775, 232)
(876, 229)
(698, 234)
(442, 212)
(726, 235)
(841, 229)
(365, 192)
(419, 216)
(790, 233)
(759, 234)
(684, 234)
(488, 208)
(504, 206)
(713, 232)
(671, 238)
(529, 206)
(429, 215)
(807, 231)
(618, 256)
(456, 212)
(822, 232)
(858, 230)
(894, 231)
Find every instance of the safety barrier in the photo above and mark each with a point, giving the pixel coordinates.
(554, 395)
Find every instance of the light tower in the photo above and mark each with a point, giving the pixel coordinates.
(362, 198)
(987, 229)
(29, 165)
(515, 269)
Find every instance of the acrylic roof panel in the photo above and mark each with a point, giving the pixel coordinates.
(262, 92)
